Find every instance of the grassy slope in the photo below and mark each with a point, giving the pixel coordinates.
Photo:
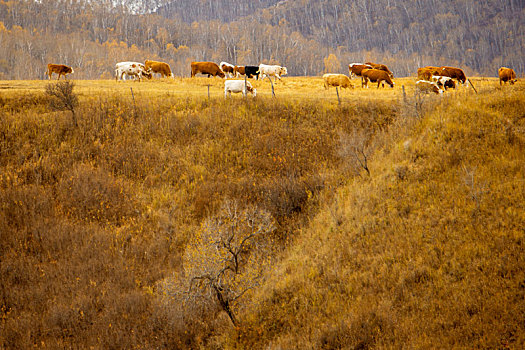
(428, 252)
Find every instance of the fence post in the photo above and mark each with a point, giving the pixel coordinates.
(404, 94)
(134, 105)
(472, 85)
(208, 92)
(273, 92)
(245, 87)
(337, 92)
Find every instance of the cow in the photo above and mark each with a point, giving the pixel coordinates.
(134, 69)
(355, 69)
(250, 71)
(337, 80)
(227, 68)
(209, 68)
(276, 71)
(379, 66)
(161, 68)
(59, 69)
(443, 82)
(237, 86)
(428, 87)
(507, 74)
(454, 73)
(427, 72)
(376, 75)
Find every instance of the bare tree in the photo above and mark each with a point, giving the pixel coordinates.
(355, 149)
(225, 259)
(62, 97)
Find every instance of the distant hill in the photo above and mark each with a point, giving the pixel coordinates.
(222, 10)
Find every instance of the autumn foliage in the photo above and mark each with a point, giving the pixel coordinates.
(174, 220)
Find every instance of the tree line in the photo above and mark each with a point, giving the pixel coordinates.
(92, 36)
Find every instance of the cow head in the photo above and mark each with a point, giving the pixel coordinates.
(221, 74)
(283, 71)
(69, 70)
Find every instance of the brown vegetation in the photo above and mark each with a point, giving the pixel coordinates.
(394, 223)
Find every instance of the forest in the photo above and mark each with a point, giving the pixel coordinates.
(478, 36)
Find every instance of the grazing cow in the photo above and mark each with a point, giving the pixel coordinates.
(227, 68)
(454, 73)
(376, 75)
(443, 82)
(381, 67)
(428, 87)
(337, 80)
(237, 86)
(507, 74)
(252, 71)
(209, 68)
(132, 69)
(355, 69)
(59, 69)
(272, 70)
(161, 68)
(427, 72)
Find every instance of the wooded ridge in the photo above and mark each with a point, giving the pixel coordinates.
(477, 36)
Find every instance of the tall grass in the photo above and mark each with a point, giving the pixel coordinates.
(96, 211)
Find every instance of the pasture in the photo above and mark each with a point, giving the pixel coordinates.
(398, 219)
(298, 88)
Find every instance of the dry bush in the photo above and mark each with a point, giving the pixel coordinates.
(93, 194)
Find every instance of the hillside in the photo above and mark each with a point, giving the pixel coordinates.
(390, 221)
(92, 36)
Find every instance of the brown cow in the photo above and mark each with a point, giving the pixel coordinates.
(376, 75)
(161, 68)
(427, 72)
(337, 80)
(59, 69)
(238, 70)
(355, 69)
(381, 67)
(209, 68)
(454, 73)
(507, 74)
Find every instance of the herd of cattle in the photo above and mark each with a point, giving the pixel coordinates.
(430, 79)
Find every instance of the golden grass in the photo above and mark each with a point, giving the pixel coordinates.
(427, 251)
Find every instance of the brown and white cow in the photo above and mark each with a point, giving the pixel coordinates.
(507, 74)
(444, 82)
(355, 69)
(161, 68)
(209, 68)
(426, 73)
(59, 69)
(454, 73)
(133, 69)
(376, 75)
(428, 87)
(337, 80)
(227, 68)
(380, 66)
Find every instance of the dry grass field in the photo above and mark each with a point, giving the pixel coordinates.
(392, 220)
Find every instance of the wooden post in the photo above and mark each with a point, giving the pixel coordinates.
(208, 92)
(472, 85)
(245, 87)
(404, 94)
(134, 105)
(337, 92)
(273, 91)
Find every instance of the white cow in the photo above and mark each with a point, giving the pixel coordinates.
(237, 86)
(132, 69)
(272, 70)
